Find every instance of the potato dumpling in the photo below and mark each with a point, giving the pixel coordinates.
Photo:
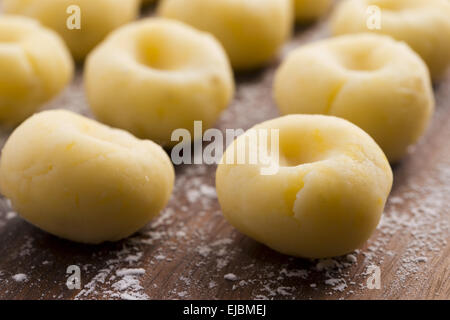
(251, 32)
(308, 10)
(423, 24)
(81, 180)
(97, 18)
(35, 65)
(377, 83)
(157, 75)
(327, 196)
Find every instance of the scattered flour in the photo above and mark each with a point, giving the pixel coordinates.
(230, 277)
(11, 215)
(114, 282)
(130, 272)
(20, 277)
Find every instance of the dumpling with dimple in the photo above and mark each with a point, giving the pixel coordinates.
(327, 195)
(81, 180)
(423, 24)
(377, 83)
(157, 75)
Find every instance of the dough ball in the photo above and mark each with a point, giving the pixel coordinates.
(157, 75)
(327, 196)
(377, 83)
(35, 65)
(251, 32)
(81, 180)
(308, 10)
(423, 24)
(97, 18)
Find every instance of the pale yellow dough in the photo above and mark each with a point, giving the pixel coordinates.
(423, 24)
(308, 10)
(97, 17)
(251, 32)
(81, 180)
(377, 83)
(35, 65)
(157, 75)
(327, 197)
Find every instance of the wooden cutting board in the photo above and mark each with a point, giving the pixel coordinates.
(191, 252)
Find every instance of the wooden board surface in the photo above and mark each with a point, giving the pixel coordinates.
(188, 250)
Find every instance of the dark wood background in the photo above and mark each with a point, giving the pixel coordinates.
(188, 250)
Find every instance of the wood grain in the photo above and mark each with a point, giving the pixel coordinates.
(188, 250)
